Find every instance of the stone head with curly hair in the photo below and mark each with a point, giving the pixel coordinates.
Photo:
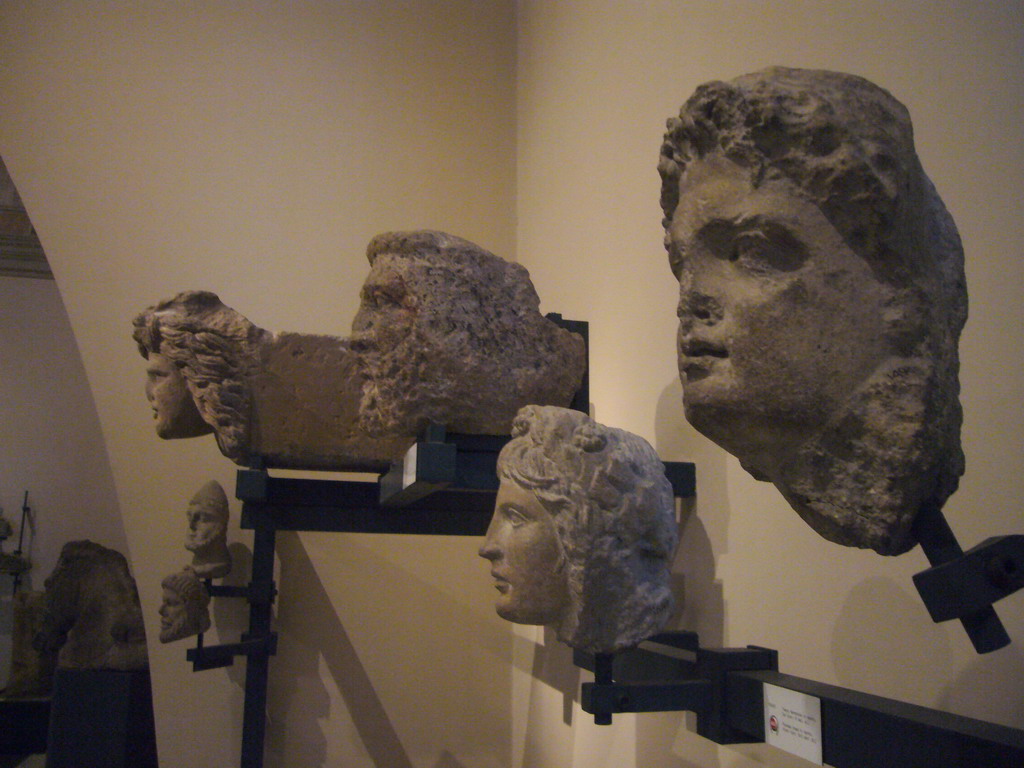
(583, 532)
(822, 296)
(200, 352)
(185, 608)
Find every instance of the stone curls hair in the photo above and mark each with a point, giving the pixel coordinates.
(846, 144)
(209, 343)
(613, 511)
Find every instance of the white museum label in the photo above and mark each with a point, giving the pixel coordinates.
(792, 722)
(409, 467)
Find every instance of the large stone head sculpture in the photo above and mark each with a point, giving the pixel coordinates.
(446, 332)
(206, 537)
(184, 611)
(583, 531)
(92, 618)
(822, 296)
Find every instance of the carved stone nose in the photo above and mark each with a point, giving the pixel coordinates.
(700, 307)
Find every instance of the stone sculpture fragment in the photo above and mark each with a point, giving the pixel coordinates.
(206, 538)
(446, 332)
(185, 610)
(583, 532)
(92, 618)
(31, 670)
(822, 295)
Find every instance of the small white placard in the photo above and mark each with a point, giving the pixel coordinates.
(409, 467)
(792, 722)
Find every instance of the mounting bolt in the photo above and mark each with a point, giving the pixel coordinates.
(1002, 571)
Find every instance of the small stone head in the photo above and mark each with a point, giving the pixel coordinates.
(821, 296)
(198, 350)
(207, 531)
(185, 608)
(583, 531)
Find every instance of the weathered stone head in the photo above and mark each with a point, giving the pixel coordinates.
(583, 531)
(446, 332)
(451, 333)
(201, 353)
(185, 608)
(822, 296)
(92, 617)
(206, 538)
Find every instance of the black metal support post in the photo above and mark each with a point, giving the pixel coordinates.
(254, 716)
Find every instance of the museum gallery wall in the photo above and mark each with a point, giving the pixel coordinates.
(255, 154)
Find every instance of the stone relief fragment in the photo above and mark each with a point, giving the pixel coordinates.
(185, 610)
(822, 295)
(583, 532)
(446, 332)
(92, 618)
(206, 537)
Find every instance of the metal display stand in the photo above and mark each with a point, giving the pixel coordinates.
(445, 486)
(725, 688)
(451, 494)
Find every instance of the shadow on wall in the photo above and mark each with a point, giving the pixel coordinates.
(310, 628)
(990, 687)
(903, 655)
(230, 617)
(704, 522)
(371, 621)
(668, 739)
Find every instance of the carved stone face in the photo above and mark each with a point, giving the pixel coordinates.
(173, 616)
(184, 610)
(174, 409)
(387, 301)
(205, 526)
(779, 320)
(526, 559)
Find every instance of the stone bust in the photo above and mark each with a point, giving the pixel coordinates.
(92, 618)
(446, 332)
(206, 537)
(822, 295)
(185, 608)
(583, 531)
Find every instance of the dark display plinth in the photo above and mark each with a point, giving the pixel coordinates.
(23, 724)
(101, 718)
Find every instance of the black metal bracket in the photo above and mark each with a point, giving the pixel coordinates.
(725, 688)
(963, 585)
(216, 656)
(670, 672)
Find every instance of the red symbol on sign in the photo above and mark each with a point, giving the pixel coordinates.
(773, 723)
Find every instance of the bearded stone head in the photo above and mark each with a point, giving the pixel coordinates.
(446, 332)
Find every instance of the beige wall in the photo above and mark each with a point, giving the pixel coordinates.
(596, 82)
(254, 149)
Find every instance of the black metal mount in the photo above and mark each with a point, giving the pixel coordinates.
(725, 688)
(964, 585)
